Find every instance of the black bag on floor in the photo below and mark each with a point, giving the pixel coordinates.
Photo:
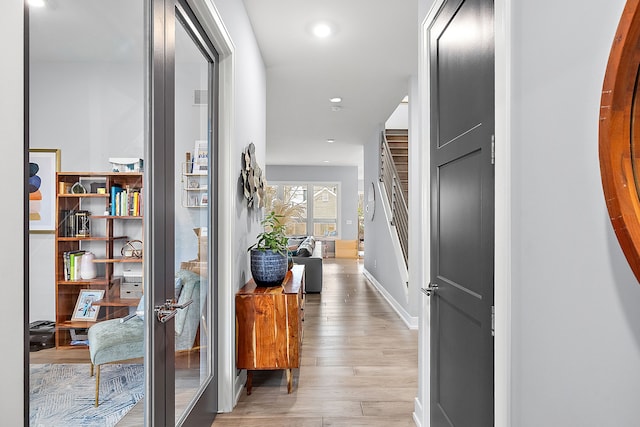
(41, 334)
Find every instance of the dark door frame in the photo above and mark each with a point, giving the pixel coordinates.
(160, 256)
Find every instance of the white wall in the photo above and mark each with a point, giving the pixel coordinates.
(347, 176)
(12, 219)
(250, 123)
(190, 125)
(247, 124)
(90, 111)
(399, 119)
(575, 303)
(378, 246)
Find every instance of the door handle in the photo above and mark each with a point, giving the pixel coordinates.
(169, 309)
(431, 288)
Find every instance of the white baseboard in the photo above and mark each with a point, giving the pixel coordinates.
(241, 380)
(417, 413)
(410, 321)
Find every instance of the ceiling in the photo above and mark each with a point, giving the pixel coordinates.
(367, 62)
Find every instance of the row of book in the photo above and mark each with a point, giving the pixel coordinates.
(71, 261)
(126, 201)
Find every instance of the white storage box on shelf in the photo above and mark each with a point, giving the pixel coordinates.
(131, 286)
(126, 164)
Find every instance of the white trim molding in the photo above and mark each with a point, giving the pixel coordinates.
(502, 250)
(417, 410)
(422, 414)
(241, 380)
(410, 321)
(216, 30)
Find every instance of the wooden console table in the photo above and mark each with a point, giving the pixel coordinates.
(269, 326)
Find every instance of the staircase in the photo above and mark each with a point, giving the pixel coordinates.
(394, 175)
(398, 140)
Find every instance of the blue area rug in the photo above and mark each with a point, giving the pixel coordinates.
(64, 394)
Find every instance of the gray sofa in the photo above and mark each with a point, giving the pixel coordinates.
(313, 265)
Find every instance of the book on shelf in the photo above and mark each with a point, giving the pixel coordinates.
(115, 191)
(126, 202)
(136, 205)
(65, 265)
(67, 223)
(71, 260)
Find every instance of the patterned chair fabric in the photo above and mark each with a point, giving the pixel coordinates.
(114, 341)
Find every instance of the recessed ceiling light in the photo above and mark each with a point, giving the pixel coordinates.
(336, 99)
(325, 161)
(331, 140)
(322, 30)
(36, 3)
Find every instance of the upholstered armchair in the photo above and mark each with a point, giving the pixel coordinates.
(118, 340)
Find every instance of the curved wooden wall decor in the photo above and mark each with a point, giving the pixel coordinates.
(253, 181)
(619, 128)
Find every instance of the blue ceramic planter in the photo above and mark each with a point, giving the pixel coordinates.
(268, 268)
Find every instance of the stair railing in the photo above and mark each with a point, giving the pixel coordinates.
(393, 187)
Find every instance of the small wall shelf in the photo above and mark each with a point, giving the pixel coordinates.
(195, 188)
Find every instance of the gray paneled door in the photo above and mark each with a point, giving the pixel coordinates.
(461, 54)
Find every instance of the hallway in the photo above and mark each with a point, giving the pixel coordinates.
(359, 363)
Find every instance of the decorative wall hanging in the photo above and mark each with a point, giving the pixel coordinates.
(253, 182)
(371, 202)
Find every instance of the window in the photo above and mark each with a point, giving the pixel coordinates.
(323, 206)
(325, 210)
(296, 196)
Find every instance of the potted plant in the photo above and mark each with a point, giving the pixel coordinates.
(269, 253)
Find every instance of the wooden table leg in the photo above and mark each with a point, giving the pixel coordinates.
(289, 381)
(249, 382)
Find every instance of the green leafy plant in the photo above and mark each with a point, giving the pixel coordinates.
(273, 237)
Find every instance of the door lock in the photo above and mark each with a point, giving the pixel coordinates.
(431, 288)
(169, 309)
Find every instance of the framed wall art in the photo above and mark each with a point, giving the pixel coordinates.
(85, 308)
(43, 165)
(201, 158)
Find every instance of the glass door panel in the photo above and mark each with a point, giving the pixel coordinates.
(86, 107)
(194, 130)
(90, 80)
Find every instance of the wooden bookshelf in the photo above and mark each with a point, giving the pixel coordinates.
(107, 233)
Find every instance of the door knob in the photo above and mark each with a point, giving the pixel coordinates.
(168, 310)
(431, 288)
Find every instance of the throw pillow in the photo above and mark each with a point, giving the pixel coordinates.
(178, 287)
(140, 308)
(306, 248)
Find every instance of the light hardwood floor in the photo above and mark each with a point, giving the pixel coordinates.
(359, 363)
